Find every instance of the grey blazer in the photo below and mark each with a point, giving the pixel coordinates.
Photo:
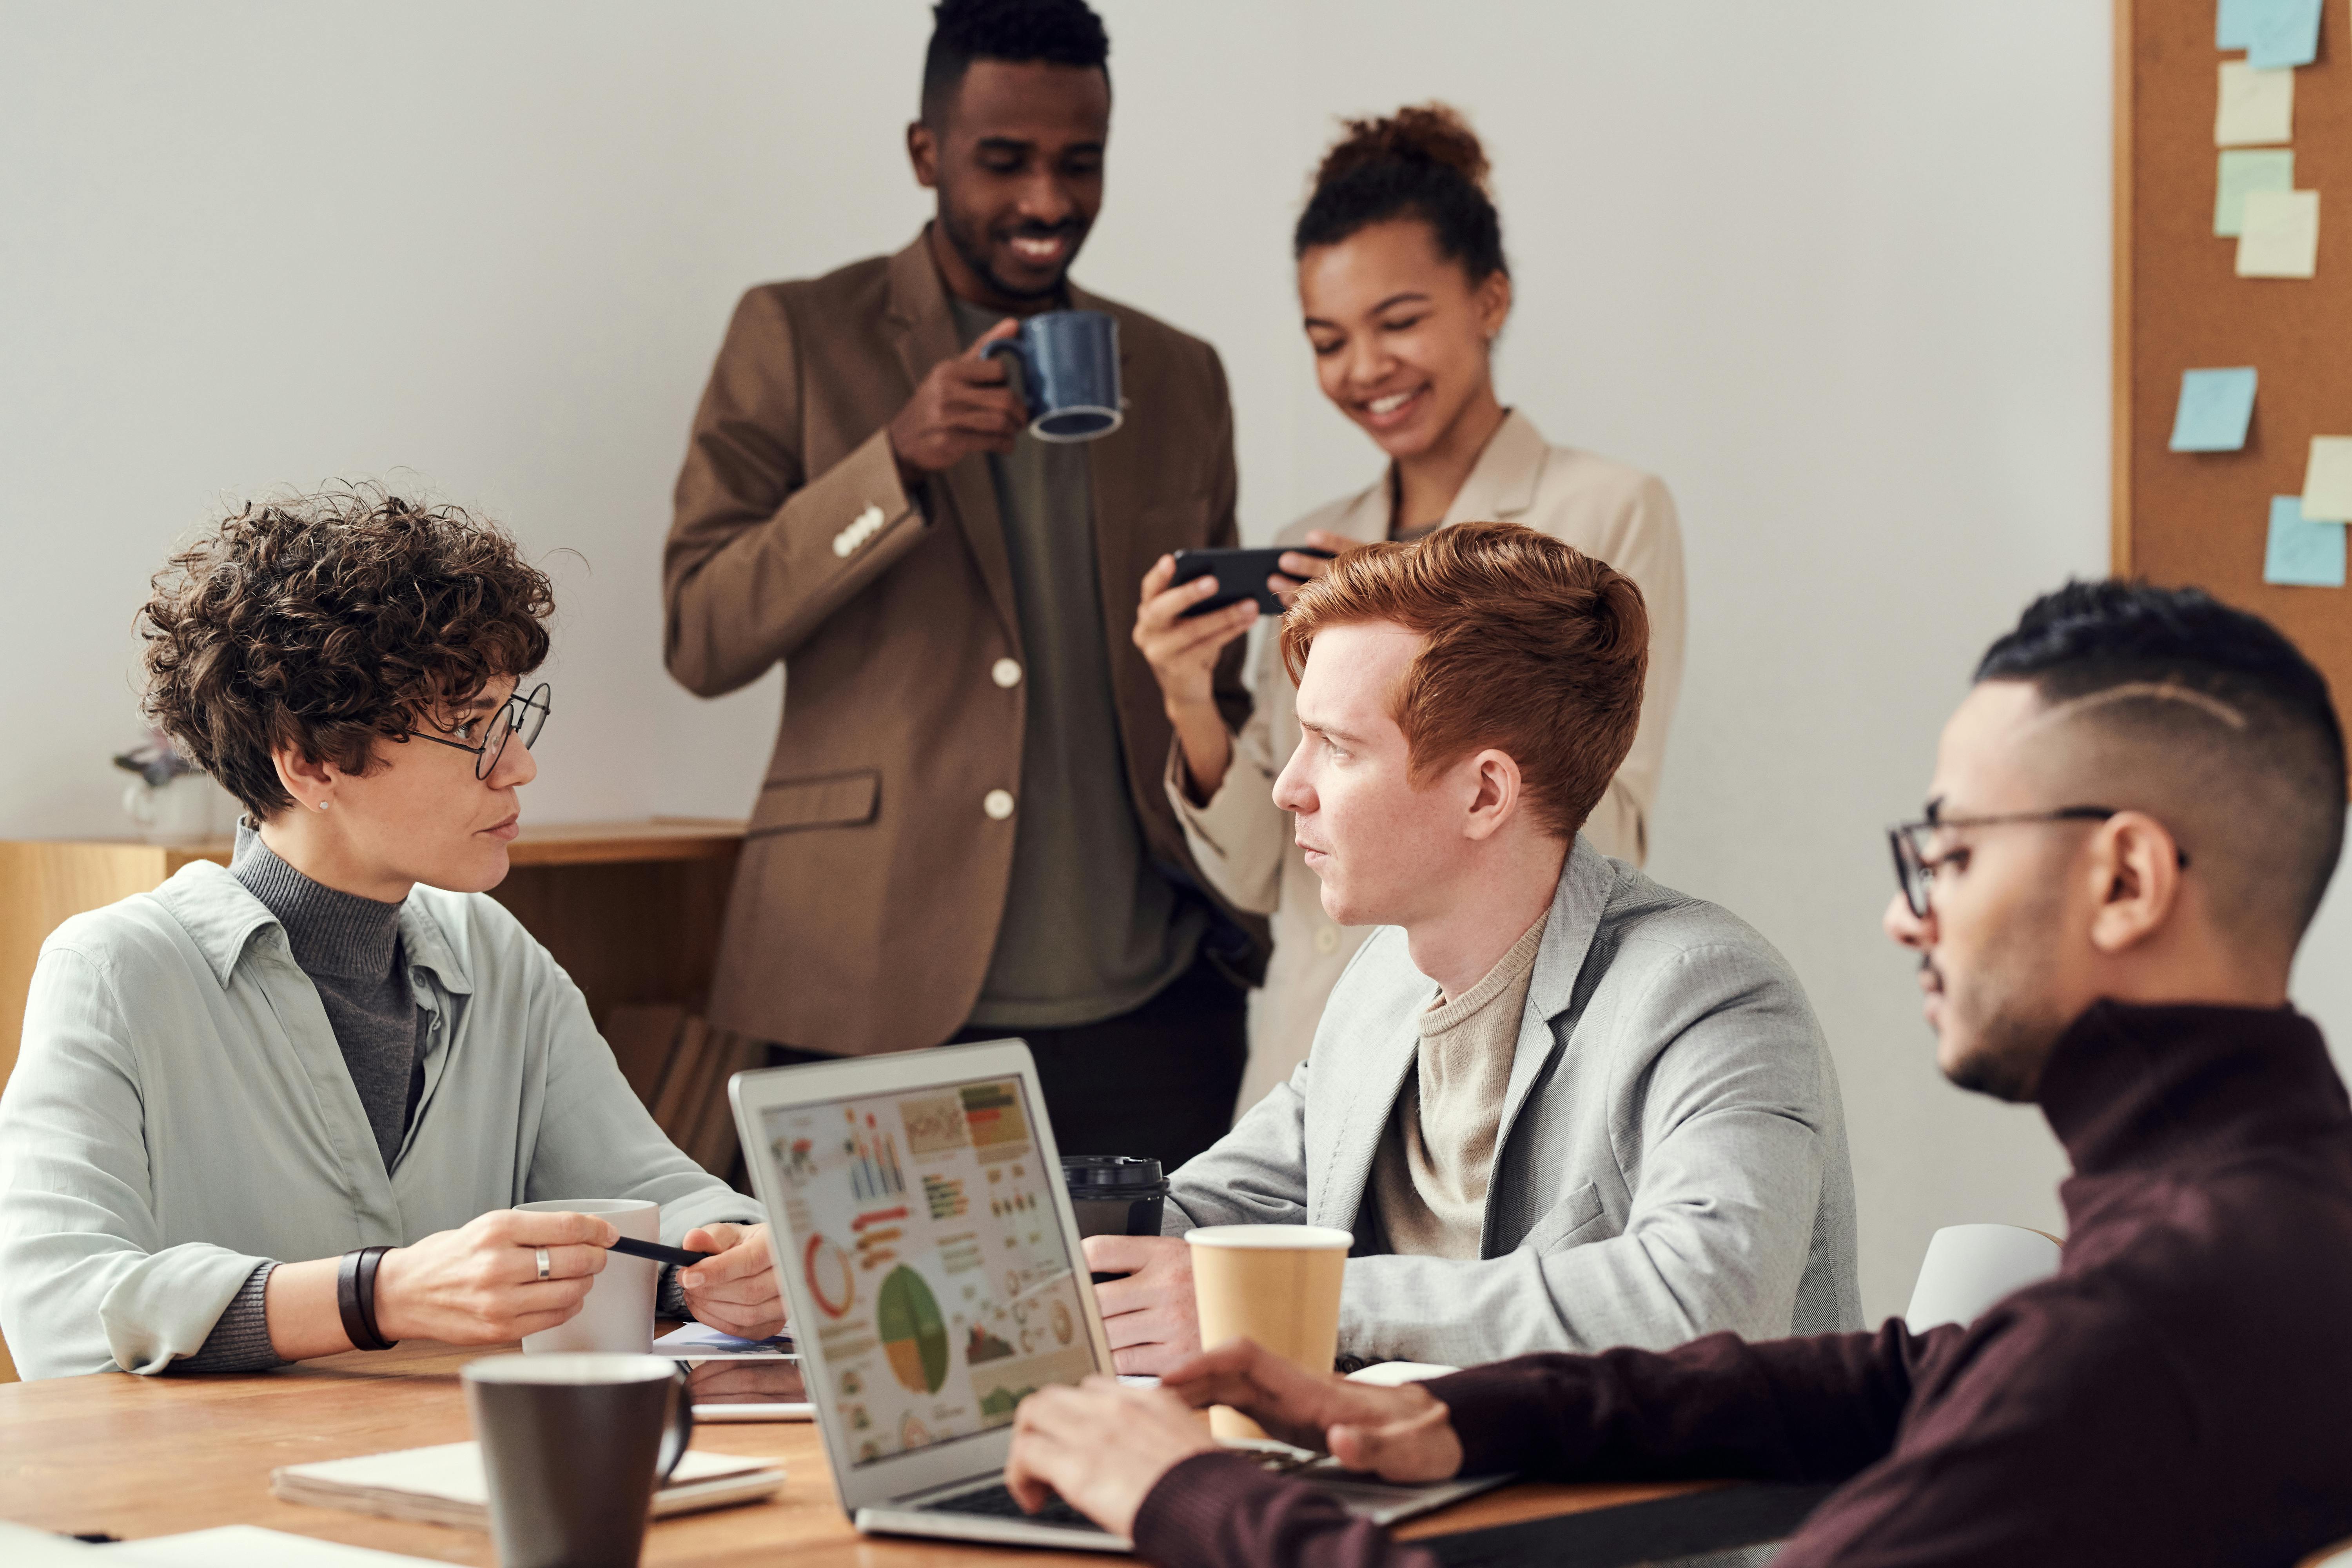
(1671, 1160)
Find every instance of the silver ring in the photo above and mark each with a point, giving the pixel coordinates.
(546, 1264)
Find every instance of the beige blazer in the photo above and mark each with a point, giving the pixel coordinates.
(873, 878)
(1242, 842)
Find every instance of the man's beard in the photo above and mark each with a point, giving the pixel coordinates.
(970, 242)
(2011, 1033)
(2011, 1051)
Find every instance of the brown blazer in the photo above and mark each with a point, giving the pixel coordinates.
(873, 878)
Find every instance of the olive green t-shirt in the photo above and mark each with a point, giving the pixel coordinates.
(1090, 929)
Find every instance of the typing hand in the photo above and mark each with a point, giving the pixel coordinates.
(965, 405)
(1102, 1446)
(1398, 1434)
(480, 1285)
(1150, 1315)
(1298, 570)
(737, 1290)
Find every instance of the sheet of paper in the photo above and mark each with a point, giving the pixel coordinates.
(700, 1342)
(2327, 480)
(2215, 407)
(2255, 106)
(2281, 34)
(246, 1546)
(2233, 24)
(2301, 554)
(2281, 238)
(2243, 171)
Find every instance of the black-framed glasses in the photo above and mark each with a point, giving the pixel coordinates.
(519, 715)
(1915, 871)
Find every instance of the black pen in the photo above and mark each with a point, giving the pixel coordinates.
(658, 1253)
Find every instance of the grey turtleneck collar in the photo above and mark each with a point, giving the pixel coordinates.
(329, 932)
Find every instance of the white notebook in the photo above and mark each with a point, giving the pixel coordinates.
(243, 1546)
(444, 1484)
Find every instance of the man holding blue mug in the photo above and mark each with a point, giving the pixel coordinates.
(960, 834)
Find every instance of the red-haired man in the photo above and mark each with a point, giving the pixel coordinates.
(1560, 1107)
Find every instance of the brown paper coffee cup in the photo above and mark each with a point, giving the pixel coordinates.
(1276, 1284)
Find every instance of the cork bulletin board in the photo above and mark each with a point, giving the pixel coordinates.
(2203, 518)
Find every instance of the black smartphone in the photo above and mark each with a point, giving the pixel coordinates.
(1240, 574)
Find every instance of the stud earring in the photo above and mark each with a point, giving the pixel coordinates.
(322, 806)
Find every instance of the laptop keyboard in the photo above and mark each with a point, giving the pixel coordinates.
(995, 1503)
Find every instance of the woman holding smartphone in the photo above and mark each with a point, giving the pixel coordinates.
(1404, 287)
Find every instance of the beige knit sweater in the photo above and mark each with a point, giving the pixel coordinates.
(1430, 1175)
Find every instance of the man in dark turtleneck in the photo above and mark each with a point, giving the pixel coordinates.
(2133, 817)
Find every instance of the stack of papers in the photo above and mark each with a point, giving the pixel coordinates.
(444, 1484)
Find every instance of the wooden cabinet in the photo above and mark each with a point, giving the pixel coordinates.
(630, 910)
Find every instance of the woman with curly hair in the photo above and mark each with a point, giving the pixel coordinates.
(285, 1109)
(1404, 289)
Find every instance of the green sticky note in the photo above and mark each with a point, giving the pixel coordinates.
(2243, 172)
(2302, 554)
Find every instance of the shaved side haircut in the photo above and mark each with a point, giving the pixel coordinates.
(2205, 717)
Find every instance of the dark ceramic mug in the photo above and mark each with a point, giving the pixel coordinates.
(1070, 373)
(572, 1446)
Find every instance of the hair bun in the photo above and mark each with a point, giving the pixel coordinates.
(1421, 134)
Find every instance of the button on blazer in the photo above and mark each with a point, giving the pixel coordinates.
(873, 875)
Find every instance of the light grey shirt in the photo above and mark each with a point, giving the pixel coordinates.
(1670, 1159)
(181, 1114)
(1090, 930)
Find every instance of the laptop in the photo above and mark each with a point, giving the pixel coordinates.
(931, 1259)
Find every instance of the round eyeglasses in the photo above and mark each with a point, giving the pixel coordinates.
(521, 714)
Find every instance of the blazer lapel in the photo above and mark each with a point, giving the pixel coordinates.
(1502, 483)
(1585, 883)
(925, 334)
(1378, 1079)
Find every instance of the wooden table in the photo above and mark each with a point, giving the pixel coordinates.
(135, 1457)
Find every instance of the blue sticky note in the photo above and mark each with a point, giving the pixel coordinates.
(2233, 24)
(2302, 554)
(2216, 406)
(2281, 33)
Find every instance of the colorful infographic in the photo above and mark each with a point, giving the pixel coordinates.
(928, 1247)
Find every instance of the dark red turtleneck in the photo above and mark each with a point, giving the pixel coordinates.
(2180, 1393)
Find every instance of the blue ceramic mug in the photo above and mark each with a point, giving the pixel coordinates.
(1069, 373)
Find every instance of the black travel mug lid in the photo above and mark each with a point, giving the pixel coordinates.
(1104, 1175)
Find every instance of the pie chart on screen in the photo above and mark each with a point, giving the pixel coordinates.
(826, 1267)
(915, 1338)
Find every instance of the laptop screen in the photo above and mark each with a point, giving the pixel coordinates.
(930, 1250)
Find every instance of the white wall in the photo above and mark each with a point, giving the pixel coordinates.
(1836, 268)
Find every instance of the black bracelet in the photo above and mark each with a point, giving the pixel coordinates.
(355, 1298)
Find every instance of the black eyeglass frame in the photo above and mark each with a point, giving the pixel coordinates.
(1914, 872)
(535, 710)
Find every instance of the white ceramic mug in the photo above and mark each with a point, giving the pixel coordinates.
(618, 1314)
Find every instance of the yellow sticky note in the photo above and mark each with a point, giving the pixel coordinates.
(2281, 238)
(2327, 480)
(2256, 107)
